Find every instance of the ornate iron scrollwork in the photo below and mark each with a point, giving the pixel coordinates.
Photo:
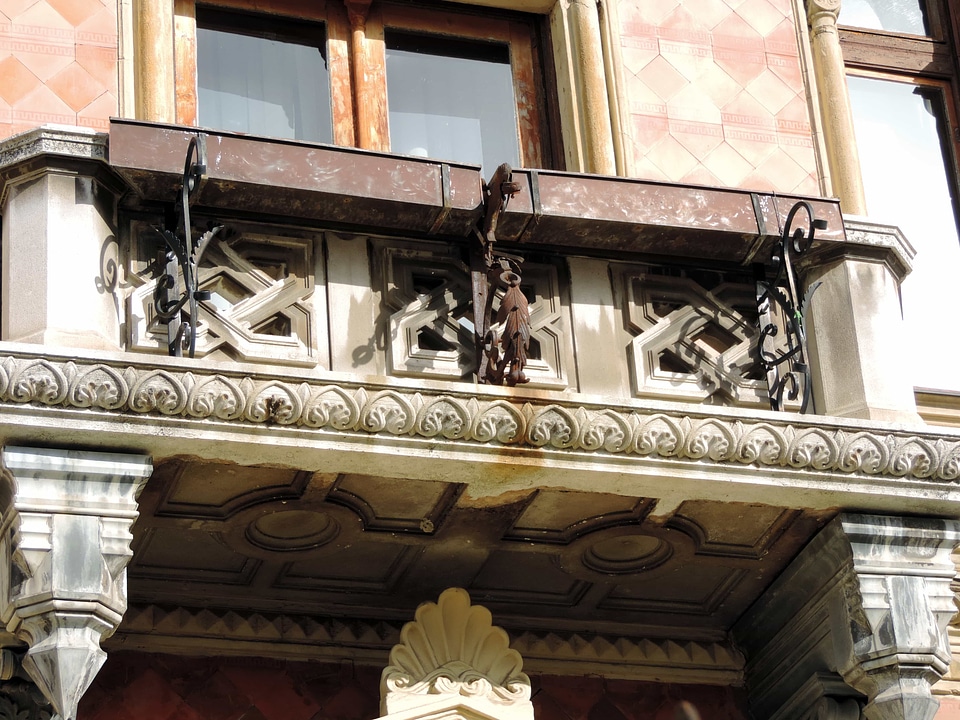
(791, 352)
(182, 256)
(502, 341)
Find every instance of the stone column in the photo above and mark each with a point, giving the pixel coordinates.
(867, 601)
(60, 263)
(854, 324)
(154, 69)
(64, 549)
(582, 86)
(842, 155)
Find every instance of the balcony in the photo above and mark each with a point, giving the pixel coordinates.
(327, 460)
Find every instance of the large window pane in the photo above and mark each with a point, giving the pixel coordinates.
(263, 80)
(902, 16)
(451, 100)
(899, 130)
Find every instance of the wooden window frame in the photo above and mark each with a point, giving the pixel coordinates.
(932, 61)
(356, 58)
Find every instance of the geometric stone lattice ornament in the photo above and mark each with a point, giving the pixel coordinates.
(64, 548)
(691, 343)
(260, 307)
(452, 662)
(426, 291)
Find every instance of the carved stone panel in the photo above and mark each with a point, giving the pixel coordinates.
(694, 335)
(262, 306)
(426, 295)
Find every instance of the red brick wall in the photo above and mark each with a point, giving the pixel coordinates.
(135, 686)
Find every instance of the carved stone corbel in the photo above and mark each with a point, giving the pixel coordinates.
(64, 546)
(453, 663)
(899, 602)
(869, 600)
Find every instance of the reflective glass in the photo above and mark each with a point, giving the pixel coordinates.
(274, 86)
(901, 16)
(451, 100)
(899, 128)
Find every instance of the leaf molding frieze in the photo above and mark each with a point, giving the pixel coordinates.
(463, 414)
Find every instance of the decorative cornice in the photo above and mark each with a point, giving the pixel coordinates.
(153, 627)
(53, 147)
(65, 140)
(668, 432)
(870, 241)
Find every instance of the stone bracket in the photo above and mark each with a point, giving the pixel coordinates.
(64, 546)
(868, 599)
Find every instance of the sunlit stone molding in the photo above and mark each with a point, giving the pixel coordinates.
(452, 662)
(868, 601)
(161, 390)
(64, 547)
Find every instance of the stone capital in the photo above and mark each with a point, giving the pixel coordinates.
(866, 241)
(819, 11)
(55, 148)
(64, 548)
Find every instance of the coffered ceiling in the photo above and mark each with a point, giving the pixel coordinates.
(268, 540)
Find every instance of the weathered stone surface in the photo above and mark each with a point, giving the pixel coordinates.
(64, 550)
(869, 599)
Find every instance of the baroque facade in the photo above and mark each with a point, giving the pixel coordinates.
(310, 408)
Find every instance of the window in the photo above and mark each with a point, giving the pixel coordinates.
(902, 79)
(457, 86)
(268, 78)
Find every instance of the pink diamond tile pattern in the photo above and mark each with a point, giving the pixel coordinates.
(58, 63)
(716, 94)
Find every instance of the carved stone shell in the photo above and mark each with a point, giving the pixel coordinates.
(453, 648)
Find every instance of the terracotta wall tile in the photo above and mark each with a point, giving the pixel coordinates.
(949, 709)
(75, 86)
(58, 63)
(728, 72)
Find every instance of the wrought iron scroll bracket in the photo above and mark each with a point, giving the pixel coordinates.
(177, 308)
(502, 341)
(785, 360)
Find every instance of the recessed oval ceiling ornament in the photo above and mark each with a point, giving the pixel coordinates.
(292, 530)
(452, 652)
(625, 554)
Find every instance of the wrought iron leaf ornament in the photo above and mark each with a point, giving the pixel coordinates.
(182, 256)
(786, 360)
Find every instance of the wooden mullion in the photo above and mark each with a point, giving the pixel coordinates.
(185, 60)
(370, 85)
(525, 81)
(341, 79)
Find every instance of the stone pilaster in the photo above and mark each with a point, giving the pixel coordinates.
(856, 315)
(582, 83)
(64, 549)
(867, 601)
(154, 60)
(842, 155)
(60, 268)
